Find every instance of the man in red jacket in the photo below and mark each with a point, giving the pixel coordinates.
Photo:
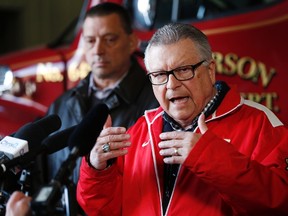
(204, 151)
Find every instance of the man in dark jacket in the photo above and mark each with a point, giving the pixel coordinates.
(116, 78)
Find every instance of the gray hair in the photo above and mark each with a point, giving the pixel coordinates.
(174, 32)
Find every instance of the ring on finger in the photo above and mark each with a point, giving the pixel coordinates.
(176, 153)
(106, 147)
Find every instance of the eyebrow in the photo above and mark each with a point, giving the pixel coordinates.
(162, 70)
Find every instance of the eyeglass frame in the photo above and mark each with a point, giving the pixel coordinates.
(167, 73)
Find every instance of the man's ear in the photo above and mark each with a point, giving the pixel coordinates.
(212, 71)
(134, 42)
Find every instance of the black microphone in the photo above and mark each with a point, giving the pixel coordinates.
(27, 139)
(84, 137)
(49, 145)
(58, 140)
(36, 131)
(80, 143)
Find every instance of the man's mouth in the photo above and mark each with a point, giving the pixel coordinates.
(178, 99)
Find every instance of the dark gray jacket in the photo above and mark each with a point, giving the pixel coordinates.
(127, 103)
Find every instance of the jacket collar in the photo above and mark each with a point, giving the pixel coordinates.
(231, 102)
(127, 90)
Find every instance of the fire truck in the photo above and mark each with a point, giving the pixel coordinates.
(248, 38)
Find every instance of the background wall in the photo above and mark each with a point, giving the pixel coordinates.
(26, 23)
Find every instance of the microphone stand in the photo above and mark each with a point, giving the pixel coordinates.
(25, 181)
(4, 196)
(59, 194)
(70, 199)
(10, 184)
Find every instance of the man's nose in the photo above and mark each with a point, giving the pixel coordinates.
(172, 82)
(98, 47)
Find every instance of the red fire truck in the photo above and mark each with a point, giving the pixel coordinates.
(248, 39)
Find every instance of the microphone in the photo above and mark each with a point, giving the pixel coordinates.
(49, 145)
(80, 143)
(27, 137)
(84, 137)
(57, 141)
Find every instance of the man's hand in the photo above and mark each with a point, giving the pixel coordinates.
(115, 139)
(176, 145)
(201, 124)
(18, 204)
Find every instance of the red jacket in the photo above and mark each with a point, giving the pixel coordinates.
(238, 167)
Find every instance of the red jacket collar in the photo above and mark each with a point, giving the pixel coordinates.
(231, 102)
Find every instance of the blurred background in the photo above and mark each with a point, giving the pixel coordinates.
(28, 23)
(41, 54)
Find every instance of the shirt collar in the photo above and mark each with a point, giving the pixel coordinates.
(222, 88)
(102, 93)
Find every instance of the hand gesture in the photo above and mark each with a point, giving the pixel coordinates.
(111, 143)
(176, 145)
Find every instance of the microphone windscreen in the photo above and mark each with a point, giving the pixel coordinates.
(35, 132)
(86, 133)
(48, 124)
(57, 141)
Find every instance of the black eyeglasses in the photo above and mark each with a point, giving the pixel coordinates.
(181, 73)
